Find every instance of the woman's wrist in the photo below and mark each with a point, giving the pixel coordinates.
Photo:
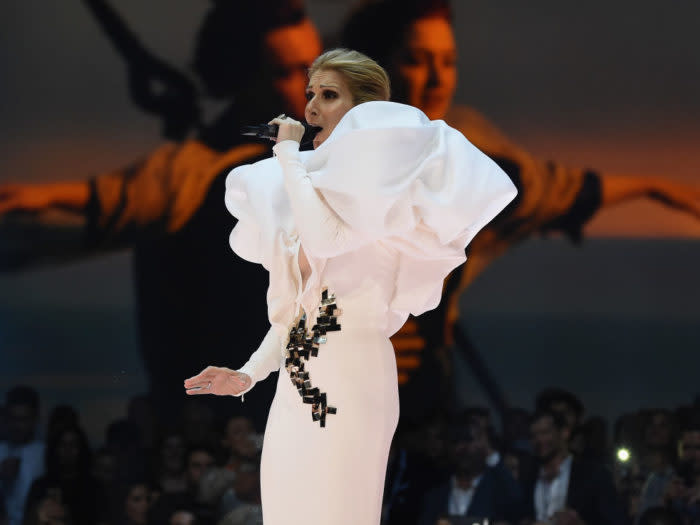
(286, 147)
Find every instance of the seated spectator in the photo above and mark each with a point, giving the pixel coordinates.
(183, 517)
(417, 462)
(659, 457)
(516, 429)
(595, 440)
(242, 447)
(169, 468)
(568, 489)
(199, 460)
(660, 516)
(104, 473)
(68, 475)
(122, 439)
(683, 492)
(49, 510)
(483, 416)
(61, 416)
(519, 464)
(22, 454)
(216, 490)
(197, 423)
(563, 402)
(240, 442)
(247, 489)
(660, 438)
(474, 489)
(132, 503)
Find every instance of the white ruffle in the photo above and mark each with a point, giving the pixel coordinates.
(390, 175)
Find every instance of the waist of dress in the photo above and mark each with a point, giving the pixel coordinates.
(358, 313)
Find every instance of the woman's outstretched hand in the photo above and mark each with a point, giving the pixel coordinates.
(218, 381)
(677, 195)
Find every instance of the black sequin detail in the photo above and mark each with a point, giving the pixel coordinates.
(302, 346)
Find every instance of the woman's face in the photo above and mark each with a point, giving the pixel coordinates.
(424, 70)
(328, 99)
(68, 449)
(173, 454)
(137, 503)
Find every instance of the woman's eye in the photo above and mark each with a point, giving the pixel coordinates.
(329, 94)
(309, 95)
(450, 61)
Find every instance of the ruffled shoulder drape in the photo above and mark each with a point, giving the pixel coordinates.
(386, 174)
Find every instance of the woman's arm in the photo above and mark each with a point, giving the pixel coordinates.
(266, 359)
(223, 381)
(618, 188)
(320, 229)
(69, 196)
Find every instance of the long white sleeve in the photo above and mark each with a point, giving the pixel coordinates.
(321, 231)
(266, 359)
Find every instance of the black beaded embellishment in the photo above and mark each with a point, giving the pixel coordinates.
(302, 346)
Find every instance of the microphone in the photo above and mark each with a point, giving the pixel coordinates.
(269, 131)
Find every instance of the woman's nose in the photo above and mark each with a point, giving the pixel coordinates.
(311, 108)
(434, 77)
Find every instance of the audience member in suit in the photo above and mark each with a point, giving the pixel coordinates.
(564, 402)
(474, 489)
(567, 490)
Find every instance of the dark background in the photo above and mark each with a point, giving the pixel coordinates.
(608, 85)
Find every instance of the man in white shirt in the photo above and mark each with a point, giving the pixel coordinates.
(22, 454)
(567, 490)
(474, 489)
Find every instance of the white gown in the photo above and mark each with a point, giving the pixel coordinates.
(375, 218)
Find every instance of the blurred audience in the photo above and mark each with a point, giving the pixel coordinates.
(183, 517)
(563, 402)
(169, 465)
(682, 492)
(22, 452)
(475, 489)
(658, 458)
(417, 462)
(133, 501)
(453, 469)
(198, 460)
(68, 477)
(568, 490)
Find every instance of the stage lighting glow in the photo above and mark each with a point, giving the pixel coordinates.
(623, 454)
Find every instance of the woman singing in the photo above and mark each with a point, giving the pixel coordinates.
(356, 235)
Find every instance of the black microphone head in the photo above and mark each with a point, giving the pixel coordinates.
(269, 131)
(263, 131)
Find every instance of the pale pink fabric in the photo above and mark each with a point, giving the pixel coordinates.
(383, 211)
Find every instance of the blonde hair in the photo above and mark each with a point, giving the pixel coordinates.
(366, 79)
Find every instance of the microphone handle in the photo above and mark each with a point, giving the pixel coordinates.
(269, 131)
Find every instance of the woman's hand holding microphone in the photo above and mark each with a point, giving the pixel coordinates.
(289, 129)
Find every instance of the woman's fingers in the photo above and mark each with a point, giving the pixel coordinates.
(204, 375)
(197, 391)
(218, 381)
(288, 128)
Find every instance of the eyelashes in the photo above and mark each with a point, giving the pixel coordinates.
(326, 94)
